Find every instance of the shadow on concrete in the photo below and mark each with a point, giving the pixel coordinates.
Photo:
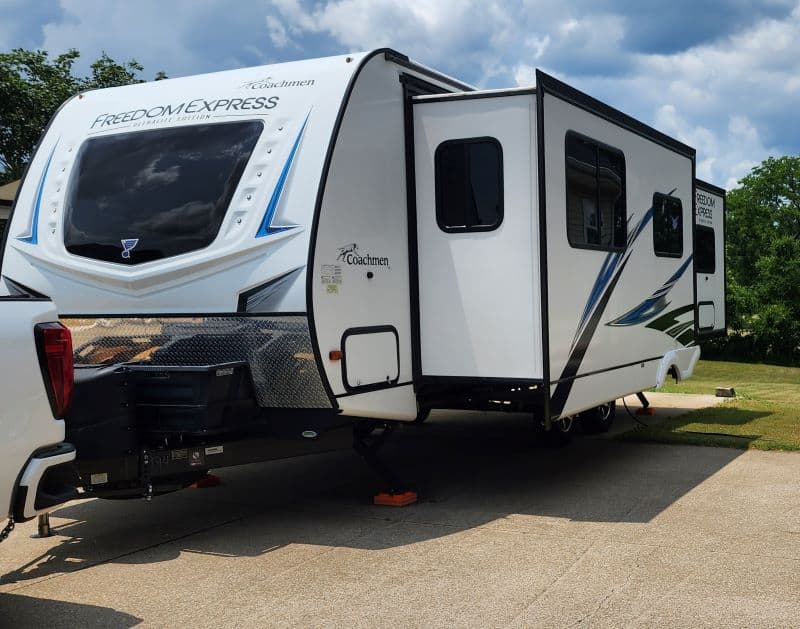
(27, 611)
(470, 469)
(684, 428)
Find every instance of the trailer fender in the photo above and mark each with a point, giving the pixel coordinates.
(679, 363)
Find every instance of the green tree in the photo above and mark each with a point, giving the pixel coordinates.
(763, 255)
(33, 86)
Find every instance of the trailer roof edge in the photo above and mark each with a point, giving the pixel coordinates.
(710, 187)
(403, 60)
(548, 83)
(474, 95)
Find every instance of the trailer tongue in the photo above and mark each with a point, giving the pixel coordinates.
(152, 411)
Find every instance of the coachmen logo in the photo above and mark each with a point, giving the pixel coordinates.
(349, 254)
(269, 83)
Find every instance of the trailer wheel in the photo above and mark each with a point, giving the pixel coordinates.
(600, 418)
(560, 433)
(422, 415)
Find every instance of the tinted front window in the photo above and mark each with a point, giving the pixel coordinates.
(164, 192)
(469, 185)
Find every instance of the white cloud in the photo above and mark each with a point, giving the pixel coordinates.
(727, 98)
(696, 95)
(539, 45)
(90, 27)
(730, 154)
(524, 74)
(277, 32)
(734, 96)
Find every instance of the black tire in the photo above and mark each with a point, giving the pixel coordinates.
(560, 433)
(422, 415)
(600, 418)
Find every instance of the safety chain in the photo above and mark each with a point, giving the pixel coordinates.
(7, 530)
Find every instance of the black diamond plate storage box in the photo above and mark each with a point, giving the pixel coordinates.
(278, 350)
(193, 400)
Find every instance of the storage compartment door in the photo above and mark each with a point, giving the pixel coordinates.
(371, 358)
(709, 259)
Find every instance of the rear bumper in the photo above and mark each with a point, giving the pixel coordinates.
(48, 481)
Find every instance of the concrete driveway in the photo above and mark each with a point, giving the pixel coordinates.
(602, 533)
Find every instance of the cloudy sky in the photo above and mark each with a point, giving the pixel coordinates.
(723, 76)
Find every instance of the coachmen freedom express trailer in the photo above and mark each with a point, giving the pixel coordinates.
(261, 255)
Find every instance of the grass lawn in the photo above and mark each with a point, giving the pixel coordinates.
(764, 415)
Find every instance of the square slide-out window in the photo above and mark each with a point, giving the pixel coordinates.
(667, 226)
(469, 185)
(705, 253)
(595, 178)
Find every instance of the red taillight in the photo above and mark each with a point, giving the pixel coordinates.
(54, 343)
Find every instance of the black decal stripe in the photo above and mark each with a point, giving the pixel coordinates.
(670, 319)
(559, 399)
(673, 332)
(686, 338)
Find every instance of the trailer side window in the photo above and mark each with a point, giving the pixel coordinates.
(667, 226)
(596, 212)
(469, 185)
(705, 254)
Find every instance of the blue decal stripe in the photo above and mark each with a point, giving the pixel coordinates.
(681, 270)
(266, 228)
(33, 239)
(640, 227)
(654, 304)
(603, 277)
(587, 328)
(610, 266)
(643, 312)
(599, 283)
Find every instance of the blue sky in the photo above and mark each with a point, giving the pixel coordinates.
(723, 76)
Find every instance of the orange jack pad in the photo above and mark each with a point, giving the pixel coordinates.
(646, 411)
(209, 480)
(395, 500)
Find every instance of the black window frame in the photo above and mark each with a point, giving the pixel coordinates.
(611, 149)
(704, 270)
(660, 197)
(458, 229)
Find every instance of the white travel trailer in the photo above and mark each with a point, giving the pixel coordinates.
(299, 244)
